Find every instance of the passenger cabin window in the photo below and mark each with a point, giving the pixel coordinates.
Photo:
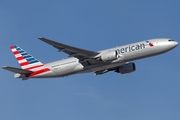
(171, 40)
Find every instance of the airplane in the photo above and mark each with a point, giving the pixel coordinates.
(118, 59)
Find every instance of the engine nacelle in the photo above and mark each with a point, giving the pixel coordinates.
(109, 56)
(126, 68)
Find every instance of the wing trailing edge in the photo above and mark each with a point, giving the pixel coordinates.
(79, 53)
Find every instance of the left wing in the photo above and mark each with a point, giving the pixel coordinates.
(79, 53)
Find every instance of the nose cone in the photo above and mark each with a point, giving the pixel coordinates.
(176, 43)
(173, 44)
(167, 44)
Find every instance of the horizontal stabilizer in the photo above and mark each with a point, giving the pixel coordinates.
(17, 70)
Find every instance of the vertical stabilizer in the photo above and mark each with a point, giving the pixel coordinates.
(25, 60)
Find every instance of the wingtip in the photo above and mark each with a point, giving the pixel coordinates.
(40, 38)
(3, 67)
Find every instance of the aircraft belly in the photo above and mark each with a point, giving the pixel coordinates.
(47, 74)
(104, 66)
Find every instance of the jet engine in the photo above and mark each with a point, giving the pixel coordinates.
(126, 68)
(109, 56)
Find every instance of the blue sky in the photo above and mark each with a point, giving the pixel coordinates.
(151, 92)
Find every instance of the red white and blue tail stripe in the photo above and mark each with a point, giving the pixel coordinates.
(26, 61)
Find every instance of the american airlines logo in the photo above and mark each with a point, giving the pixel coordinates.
(150, 43)
(132, 48)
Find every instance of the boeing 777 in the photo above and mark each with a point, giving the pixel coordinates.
(118, 59)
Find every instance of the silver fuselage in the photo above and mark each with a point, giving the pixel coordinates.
(126, 54)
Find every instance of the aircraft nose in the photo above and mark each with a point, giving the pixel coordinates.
(173, 43)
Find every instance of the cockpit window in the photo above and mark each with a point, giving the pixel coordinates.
(171, 40)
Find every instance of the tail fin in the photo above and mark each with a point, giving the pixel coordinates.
(26, 61)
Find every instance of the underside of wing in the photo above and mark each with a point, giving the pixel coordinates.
(79, 53)
(17, 70)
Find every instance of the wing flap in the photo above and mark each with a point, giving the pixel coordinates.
(70, 50)
(17, 70)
